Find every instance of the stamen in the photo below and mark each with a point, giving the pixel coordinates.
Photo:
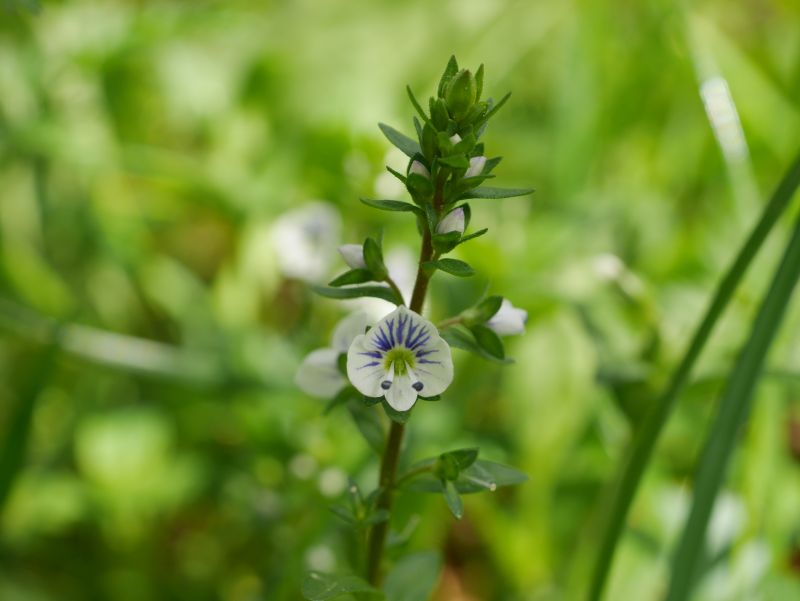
(417, 385)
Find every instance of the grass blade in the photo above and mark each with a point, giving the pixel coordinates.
(731, 417)
(645, 439)
(15, 441)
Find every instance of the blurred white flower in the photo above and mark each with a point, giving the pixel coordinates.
(508, 320)
(400, 358)
(476, 165)
(402, 267)
(318, 374)
(419, 169)
(454, 221)
(353, 255)
(304, 240)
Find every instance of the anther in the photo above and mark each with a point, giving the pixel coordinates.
(386, 384)
(417, 386)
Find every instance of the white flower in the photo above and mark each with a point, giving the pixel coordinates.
(508, 320)
(400, 358)
(353, 255)
(304, 240)
(318, 374)
(455, 139)
(419, 169)
(454, 221)
(476, 165)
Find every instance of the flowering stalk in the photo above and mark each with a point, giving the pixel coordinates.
(404, 357)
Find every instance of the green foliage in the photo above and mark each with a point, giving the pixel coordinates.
(329, 587)
(413, 577)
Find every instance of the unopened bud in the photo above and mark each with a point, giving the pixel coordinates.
(476, 165)
(452, 222)
(460, 93)
(419, 169)
(455, 139)
(353, 255)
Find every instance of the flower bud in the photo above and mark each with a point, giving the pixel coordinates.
(452, 222)
(353, 255)
(508, 320)
(476, 165)
(419, 169)
(460, 93)
(455, 139)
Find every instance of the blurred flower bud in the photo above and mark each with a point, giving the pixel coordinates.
(455, 139)
(460, 93)
(454, 221)
(508, 320)
(476, 165)
(419, 169)
(353, 255)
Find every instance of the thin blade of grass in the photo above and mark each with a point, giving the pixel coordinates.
(645, 440)
(732, 414)
(15, 441)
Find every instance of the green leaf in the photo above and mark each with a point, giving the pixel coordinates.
(454, 502)
(369, 424)
(354, 276)
(373, 257)
(644, 443)
(457, 161)
(489, 192)
(481, 476)
(344, 513)
(416, 104)
(731, 418)
(407, 145)
(397, 174)
(324, 587)
(458, 338)
(450, 465)
(345, 395)
(375, 291)
(479, 82)
(376, 517)
(393, 205)
(400, 417)
(443, 243)
(496, 107)
(449, 71)
(451, 266)
(474, 235)
(413, 577)
(489, 341)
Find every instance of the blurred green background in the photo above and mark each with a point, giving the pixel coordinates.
(173, 173)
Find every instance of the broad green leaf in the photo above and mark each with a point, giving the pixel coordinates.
(407, 145)
(413, 577)
(451, 266)
(465, 341)
(375, 291)
(457, 161)
(489, 341)
(454, 502)
(373, 257)
(369, 423)
(354, 276)
(325, 587)
(489, 192)
(393, 205)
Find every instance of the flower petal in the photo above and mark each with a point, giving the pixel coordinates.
(365, 367)
(508, 320)
(348, 328)
(434, 367)
(401, 396)
(353, 255)
(318, 374)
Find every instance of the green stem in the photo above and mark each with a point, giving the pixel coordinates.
(391, 455)
(645, 440)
